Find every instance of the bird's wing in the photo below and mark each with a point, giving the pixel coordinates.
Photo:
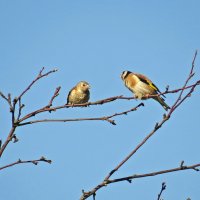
(144, 79)
(69, 94)
(68, 97)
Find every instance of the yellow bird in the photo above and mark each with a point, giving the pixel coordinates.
(141, 86)
(79, 94)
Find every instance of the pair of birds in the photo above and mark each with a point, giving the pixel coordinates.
(138, 84)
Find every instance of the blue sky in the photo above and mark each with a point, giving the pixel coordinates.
(95, 41)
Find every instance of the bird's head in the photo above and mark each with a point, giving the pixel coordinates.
(124, 74)
(83, 85)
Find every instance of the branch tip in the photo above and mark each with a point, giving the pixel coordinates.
(164, 185)
(55, 69)
(142, 104)
(182, 164)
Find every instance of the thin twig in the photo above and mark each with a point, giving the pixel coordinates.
(173, 91)
(161, 191)
(20, 109)
(191, 74)
(56, 93)
(4, 97)
(8, 99)
(35, 162)
(105, 118)
(40, 75)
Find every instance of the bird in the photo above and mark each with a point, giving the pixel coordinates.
(79, 94)
(142, 86)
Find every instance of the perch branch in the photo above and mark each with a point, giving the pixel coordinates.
(105, 118)
(47, 108)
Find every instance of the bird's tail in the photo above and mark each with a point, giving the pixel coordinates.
(162, 102)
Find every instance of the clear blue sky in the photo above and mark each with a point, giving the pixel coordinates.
(95, 41)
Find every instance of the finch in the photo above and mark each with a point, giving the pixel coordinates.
(141, 86)
(79, 94)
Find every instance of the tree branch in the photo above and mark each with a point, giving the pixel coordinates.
(105, 118)
(56, 93)
(39, 76)
(48, 108)
(180, 168)
(35, 162)
(12, 105)
(9, 138)
(85, 195)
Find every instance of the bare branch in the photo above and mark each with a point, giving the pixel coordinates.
(193, 62)
(179, 99)
(35, 162)
(13, 112)
(173, 91)
(13, 103)
(135, 176)
(105, 118)
(21, 106)
(8, 99)
(157, 126)
(4, 97)
(48, 108)
(193, 167)
(40, 75)
(56, 93)
(9, 138)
